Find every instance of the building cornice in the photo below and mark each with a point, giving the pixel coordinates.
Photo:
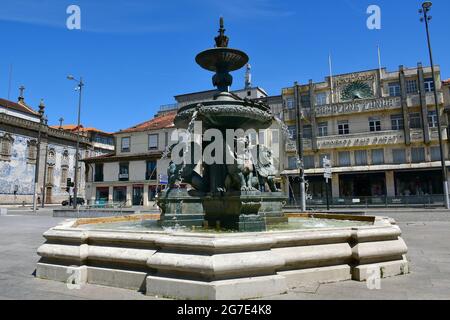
(154, 155)
(45, 129)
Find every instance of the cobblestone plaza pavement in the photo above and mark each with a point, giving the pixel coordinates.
(427, 233)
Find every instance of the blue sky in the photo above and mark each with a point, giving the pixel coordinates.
(135, 55)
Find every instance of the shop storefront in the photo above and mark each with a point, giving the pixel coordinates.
(418, 183)
(362, 185)
(138, 195)
(102, 194)
(119, 194)
(315, 188)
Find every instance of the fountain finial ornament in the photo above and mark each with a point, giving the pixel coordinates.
(222, 60)
(221, 39)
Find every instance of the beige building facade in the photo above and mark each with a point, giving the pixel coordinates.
(378, 128)
(130, 176)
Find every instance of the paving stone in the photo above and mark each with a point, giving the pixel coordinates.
(425, 232)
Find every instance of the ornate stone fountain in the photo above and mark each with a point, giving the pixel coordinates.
(240, 195)
(127, 252)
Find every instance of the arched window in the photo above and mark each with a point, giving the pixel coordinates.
(6, 142)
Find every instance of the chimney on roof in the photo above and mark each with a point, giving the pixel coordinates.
(61, 122)
(21, 90)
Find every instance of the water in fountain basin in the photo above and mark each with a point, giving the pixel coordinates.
(294, 224)
(190, 130)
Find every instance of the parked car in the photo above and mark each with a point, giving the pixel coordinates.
(80, 201)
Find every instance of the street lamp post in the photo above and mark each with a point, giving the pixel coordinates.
(300, 163)
(38, 155)
(75, 188)
(426, 7)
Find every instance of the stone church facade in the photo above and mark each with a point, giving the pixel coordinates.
(20, 129)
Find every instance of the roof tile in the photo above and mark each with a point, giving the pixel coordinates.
(18, 106)
(161, 122)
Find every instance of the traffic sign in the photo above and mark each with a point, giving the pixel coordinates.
(327, 168)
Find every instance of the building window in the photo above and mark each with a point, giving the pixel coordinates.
(343, 127)
(432, 119)
(292, 132)
(374, 124)
(125, 144)
(50, 174)
(124, 172)
(101, 194)
(429, 85)
(323, 156)
(104, 140)
(417, 155)
(152, 142)
(261, 137)
(32, 150)
(252, 139)
(166, 139)
(411, 87)
(290, 103)
(399, 156)
(361, 157)
(435, 153)
(323, 129)
(275, 137)
(321, 99)
(151, 173)
(6, 147)
(306, 101)
(292, 163)
(344, 159)
(308, 162)
(64, 175)
(397, 122)
(98, 177)
(377, 157)
(394, 89)
(307, 132)
(415, 121)
(120, 194)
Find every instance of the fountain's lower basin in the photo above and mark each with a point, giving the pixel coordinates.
(208, 265)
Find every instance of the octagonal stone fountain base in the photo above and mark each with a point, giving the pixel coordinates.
(220, 266)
